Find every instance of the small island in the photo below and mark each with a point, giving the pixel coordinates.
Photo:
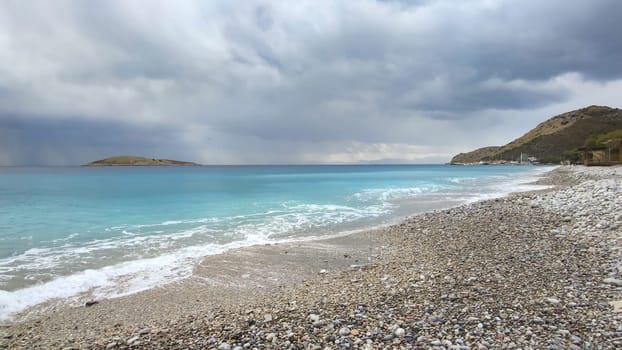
(138, 161)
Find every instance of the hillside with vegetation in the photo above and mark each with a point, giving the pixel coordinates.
(601, 139)
(476, 156)
(552, 140)
(138, 161)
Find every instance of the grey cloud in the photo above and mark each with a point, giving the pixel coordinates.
(31, 140)
(259, 76)
(538, 40)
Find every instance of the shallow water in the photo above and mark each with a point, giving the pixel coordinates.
(118, 230)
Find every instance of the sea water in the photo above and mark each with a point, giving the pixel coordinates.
(111, 231)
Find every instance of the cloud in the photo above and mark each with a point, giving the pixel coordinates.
(378, 152)
(278, 81)
(32, 141)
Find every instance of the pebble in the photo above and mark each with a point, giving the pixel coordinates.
(388, 337)
(132, 339)
(320, 323)
(343, 331)
(436, 342)
(224, 346)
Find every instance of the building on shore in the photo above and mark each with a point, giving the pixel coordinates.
(602, 155)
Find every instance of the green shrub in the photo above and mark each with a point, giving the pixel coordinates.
(599, 139)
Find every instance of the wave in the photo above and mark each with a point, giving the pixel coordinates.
(135, 257)
(387, 195)
(152, 258)
(107, 282)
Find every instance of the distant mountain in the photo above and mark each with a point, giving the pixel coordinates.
(137, 161)
(551, 139)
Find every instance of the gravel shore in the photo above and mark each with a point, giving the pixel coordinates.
(538, 270)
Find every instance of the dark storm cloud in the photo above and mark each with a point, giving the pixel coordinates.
(263, 81)
(33, 140)
(544, 39)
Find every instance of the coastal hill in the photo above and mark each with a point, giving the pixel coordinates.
(137, 161)
(550, 140)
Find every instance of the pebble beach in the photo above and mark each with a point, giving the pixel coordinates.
(534, 270)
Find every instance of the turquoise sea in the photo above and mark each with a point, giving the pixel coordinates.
(112, 231)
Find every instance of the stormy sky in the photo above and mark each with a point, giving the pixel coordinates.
(256, 82)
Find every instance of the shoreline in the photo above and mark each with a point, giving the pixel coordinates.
(131, 285)
(314, 274)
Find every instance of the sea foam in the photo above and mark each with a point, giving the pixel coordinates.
(136, 251)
